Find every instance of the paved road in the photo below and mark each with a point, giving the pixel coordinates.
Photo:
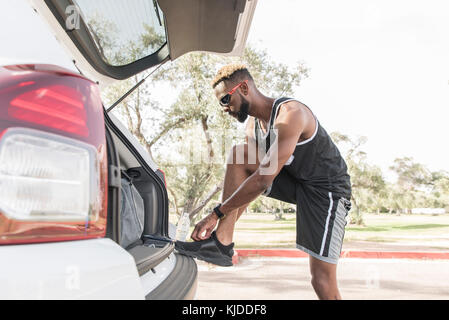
(289, 278)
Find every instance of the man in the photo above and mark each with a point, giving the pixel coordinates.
(308, 171)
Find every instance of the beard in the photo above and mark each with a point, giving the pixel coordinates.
(242, 114)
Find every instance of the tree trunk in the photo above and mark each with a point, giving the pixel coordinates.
(175, 200)
(208, 139)
(203, 203)
(357, 217)
(188, 206)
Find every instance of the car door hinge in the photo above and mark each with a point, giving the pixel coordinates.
(114, 176)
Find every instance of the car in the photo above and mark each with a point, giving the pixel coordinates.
(83, 206)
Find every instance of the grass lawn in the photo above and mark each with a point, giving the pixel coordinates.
(401, 228)
(262, 231)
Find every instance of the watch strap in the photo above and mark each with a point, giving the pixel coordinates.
(218, 212)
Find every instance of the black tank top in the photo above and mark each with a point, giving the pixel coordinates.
(315, 162)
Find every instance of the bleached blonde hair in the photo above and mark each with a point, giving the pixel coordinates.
(233, 71)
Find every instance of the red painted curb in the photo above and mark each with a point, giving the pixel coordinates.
(291, 253)
(235, 257)
(395, 255)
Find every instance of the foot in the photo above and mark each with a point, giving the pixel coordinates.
(209, 250)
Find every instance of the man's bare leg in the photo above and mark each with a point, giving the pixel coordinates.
(236, 174)
(324, 279)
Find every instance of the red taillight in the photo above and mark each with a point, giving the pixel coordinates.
(53, 166)
(56, 106)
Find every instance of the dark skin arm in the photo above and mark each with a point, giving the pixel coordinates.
(290, 124)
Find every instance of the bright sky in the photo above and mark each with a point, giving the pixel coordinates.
(378, 68)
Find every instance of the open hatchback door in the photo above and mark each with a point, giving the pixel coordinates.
(116, 39)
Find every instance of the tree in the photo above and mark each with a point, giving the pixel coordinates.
(411, 175)
(439, 193)
(412, 181)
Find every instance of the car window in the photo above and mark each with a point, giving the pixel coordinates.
(124, 31)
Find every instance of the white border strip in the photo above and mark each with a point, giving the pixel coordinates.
(327, 223)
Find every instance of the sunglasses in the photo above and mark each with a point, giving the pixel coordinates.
(224, 101)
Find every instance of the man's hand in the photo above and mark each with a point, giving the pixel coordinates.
(206, 224)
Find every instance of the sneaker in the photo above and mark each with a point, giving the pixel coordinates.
(209, 250)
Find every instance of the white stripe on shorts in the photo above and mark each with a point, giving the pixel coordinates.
(327, 223)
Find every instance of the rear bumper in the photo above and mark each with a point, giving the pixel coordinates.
(181, 284)
(84, 269)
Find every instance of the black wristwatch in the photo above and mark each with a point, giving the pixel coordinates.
(217, 211)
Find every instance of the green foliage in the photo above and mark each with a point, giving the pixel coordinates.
(416, 186)
(411, 175)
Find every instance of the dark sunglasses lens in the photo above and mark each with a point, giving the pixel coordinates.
(225, 100)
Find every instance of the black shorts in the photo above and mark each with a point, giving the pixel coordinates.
(320, 216)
